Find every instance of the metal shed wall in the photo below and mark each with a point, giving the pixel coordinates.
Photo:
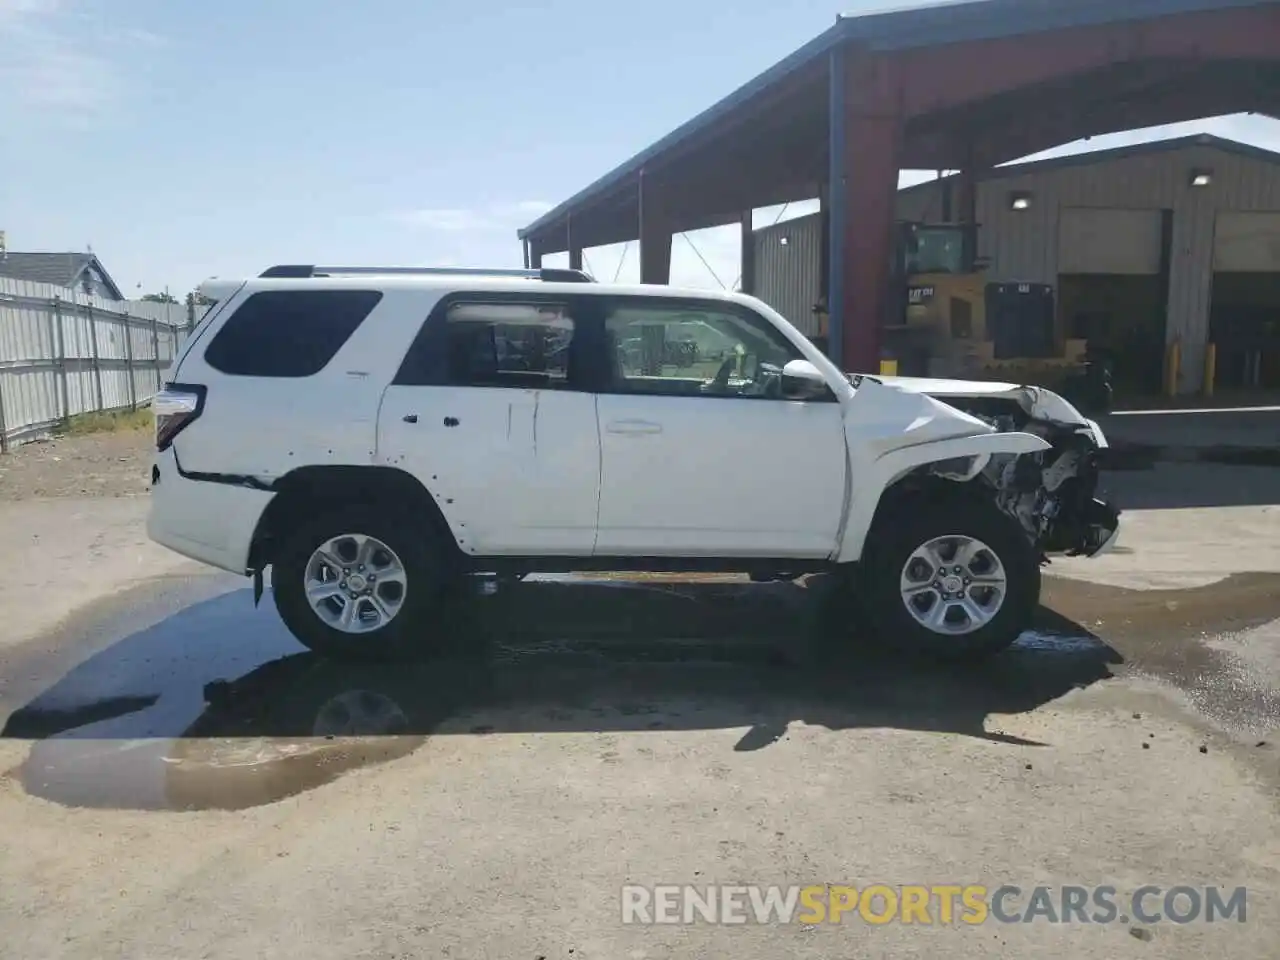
(1023, 245)
(789, 275)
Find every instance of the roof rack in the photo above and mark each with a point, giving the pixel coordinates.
(545, 274)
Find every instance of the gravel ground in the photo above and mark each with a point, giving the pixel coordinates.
(93, 465)
(72, 513)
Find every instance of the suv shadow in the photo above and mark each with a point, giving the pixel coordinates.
(215, 704)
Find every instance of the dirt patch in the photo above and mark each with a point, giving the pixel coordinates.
(102, 464)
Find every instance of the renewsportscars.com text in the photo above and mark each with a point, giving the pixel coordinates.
(940, 904)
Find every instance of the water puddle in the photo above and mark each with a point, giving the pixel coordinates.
(215, 708)
(1182, 637)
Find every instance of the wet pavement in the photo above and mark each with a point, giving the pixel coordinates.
(178, 777)
(212, 705)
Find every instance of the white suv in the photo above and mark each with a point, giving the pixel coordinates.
(372, 434)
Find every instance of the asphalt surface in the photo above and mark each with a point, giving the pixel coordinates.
(183, 780)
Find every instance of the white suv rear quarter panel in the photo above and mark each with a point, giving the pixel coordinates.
(264, 427)
(254, 426)
(210, 522)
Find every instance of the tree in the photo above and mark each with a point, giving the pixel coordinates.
(165, 297)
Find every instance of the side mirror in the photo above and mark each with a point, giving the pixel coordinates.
(801, 380)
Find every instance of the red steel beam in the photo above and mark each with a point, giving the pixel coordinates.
(867, 166)
(938, 77)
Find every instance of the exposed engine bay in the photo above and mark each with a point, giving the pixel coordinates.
(1052, 494)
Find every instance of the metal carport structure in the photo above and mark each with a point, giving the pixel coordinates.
(959, 86)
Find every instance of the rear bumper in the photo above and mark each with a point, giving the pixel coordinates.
(207, 521)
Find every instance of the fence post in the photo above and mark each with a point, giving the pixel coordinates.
(93, 353)
(4, 430)
(60, 367)
(128, 360)
(155, 350)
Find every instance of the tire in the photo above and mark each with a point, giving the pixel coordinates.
(919, 525)
(379, 627)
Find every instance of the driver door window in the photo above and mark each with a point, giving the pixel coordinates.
(694, 350)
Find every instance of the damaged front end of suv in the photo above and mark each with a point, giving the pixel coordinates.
(1053, 493)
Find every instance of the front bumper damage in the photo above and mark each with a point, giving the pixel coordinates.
(1054, 494)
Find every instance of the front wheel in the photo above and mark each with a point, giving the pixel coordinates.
(358, 584)
(951, 580)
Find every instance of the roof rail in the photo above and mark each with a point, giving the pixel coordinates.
(545, 274)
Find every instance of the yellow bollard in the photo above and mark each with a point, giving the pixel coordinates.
(1210, 367)
(888, 363)
(1172, 367)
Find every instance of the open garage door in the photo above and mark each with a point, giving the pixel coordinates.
(1112, 289)
(1245, 314)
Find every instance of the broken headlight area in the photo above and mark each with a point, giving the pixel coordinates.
(1053, 494)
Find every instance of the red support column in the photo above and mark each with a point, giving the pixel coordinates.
(872, 146)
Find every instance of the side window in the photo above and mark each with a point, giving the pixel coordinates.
(474, 343)
(694, 349)
(288, 333)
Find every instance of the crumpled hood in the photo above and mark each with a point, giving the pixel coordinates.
(1039, 402)
(939, 387)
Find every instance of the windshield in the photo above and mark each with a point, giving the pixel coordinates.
(937, 250)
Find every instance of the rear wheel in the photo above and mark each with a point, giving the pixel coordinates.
(359, 584)
(955, 580)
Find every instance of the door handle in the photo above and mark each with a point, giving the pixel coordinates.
(410, 418)
(633, 427)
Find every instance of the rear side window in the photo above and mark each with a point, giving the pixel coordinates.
(288, 333)
(524, 345)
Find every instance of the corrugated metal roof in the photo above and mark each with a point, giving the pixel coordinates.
(59, 269)
(1091, 157)
(950, 21)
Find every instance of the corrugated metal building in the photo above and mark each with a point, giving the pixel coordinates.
(788, 272)
(1177, 239)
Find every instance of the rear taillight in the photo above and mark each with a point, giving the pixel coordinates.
(175, 407)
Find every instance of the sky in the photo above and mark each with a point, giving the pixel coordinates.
(182, 140)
